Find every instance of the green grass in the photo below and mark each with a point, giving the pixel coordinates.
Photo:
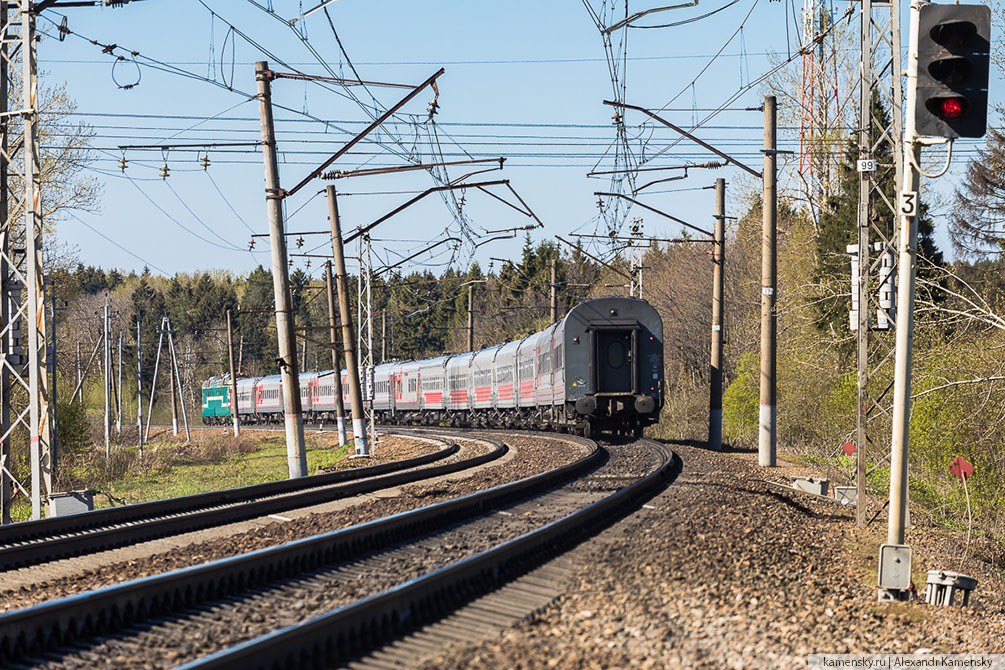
(167, 469)
(180, 475)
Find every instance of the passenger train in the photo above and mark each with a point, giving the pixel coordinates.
(600, 368)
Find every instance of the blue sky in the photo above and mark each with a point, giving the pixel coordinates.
(523, 80)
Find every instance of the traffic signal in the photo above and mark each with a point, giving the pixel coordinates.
(954, 45)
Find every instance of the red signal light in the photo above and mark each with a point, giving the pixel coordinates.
(951, 108)
(948, 108)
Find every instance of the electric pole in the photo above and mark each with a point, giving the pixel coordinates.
(292, 410)
(36, 384)
(879, 38)
(153, 384)
(861, 281)
(383, 335)
(6, 322)
(355, 397)
(336, 368)
(174, 401)
(118, 394)
(139, 381)
(80, 373)
(108, 380)
(233, 377)
(52, 369)
(177, 374)
(767, 422)
(715, 371)
(471, 318)
(554, 290)
(364, 295)
(908, 243)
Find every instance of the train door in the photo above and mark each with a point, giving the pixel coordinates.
(615, 361)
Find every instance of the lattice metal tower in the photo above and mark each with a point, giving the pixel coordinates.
(24, 385)
(820, 105)
(876, 216)
(364, 335)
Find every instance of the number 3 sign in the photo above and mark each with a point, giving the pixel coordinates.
(909, 203)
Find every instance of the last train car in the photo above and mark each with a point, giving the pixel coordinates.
(613, 364)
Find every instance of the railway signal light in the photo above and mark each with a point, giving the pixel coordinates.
(953, 63)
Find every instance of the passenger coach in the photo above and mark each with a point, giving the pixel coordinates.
(599, 368)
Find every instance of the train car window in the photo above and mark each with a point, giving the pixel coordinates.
(615, 354)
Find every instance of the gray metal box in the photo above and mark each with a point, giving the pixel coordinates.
(846, 495)
(71, 502)
(895, 567)
(811, 485)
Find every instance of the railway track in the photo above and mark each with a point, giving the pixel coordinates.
(45, 540)
(383, 578)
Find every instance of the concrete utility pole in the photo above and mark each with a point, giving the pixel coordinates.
(292, 410)
(119, 391)
(52, 370)
(905, 300)
(139, 381)
(383, 336)
(471, 318)
(108, 380)
(336, 368)
(355, 396)
(174, 401)
(80, 373)
(554, 290)
(233, 377)
(715, 369)
(177, 374)
(767, 423)
(153, 385)
(38, 386)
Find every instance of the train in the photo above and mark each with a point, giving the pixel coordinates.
(598, 369)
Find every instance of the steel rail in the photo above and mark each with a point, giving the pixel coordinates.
(49, 539)
(41, 627)
(348, 632)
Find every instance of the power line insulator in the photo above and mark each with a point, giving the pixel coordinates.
(165, 171)
(204, 161)
(300, 242)
(251, 244)
(122, 164)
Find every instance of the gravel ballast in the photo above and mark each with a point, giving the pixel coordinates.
(719, 571)
(185, 636)
(531, 454)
